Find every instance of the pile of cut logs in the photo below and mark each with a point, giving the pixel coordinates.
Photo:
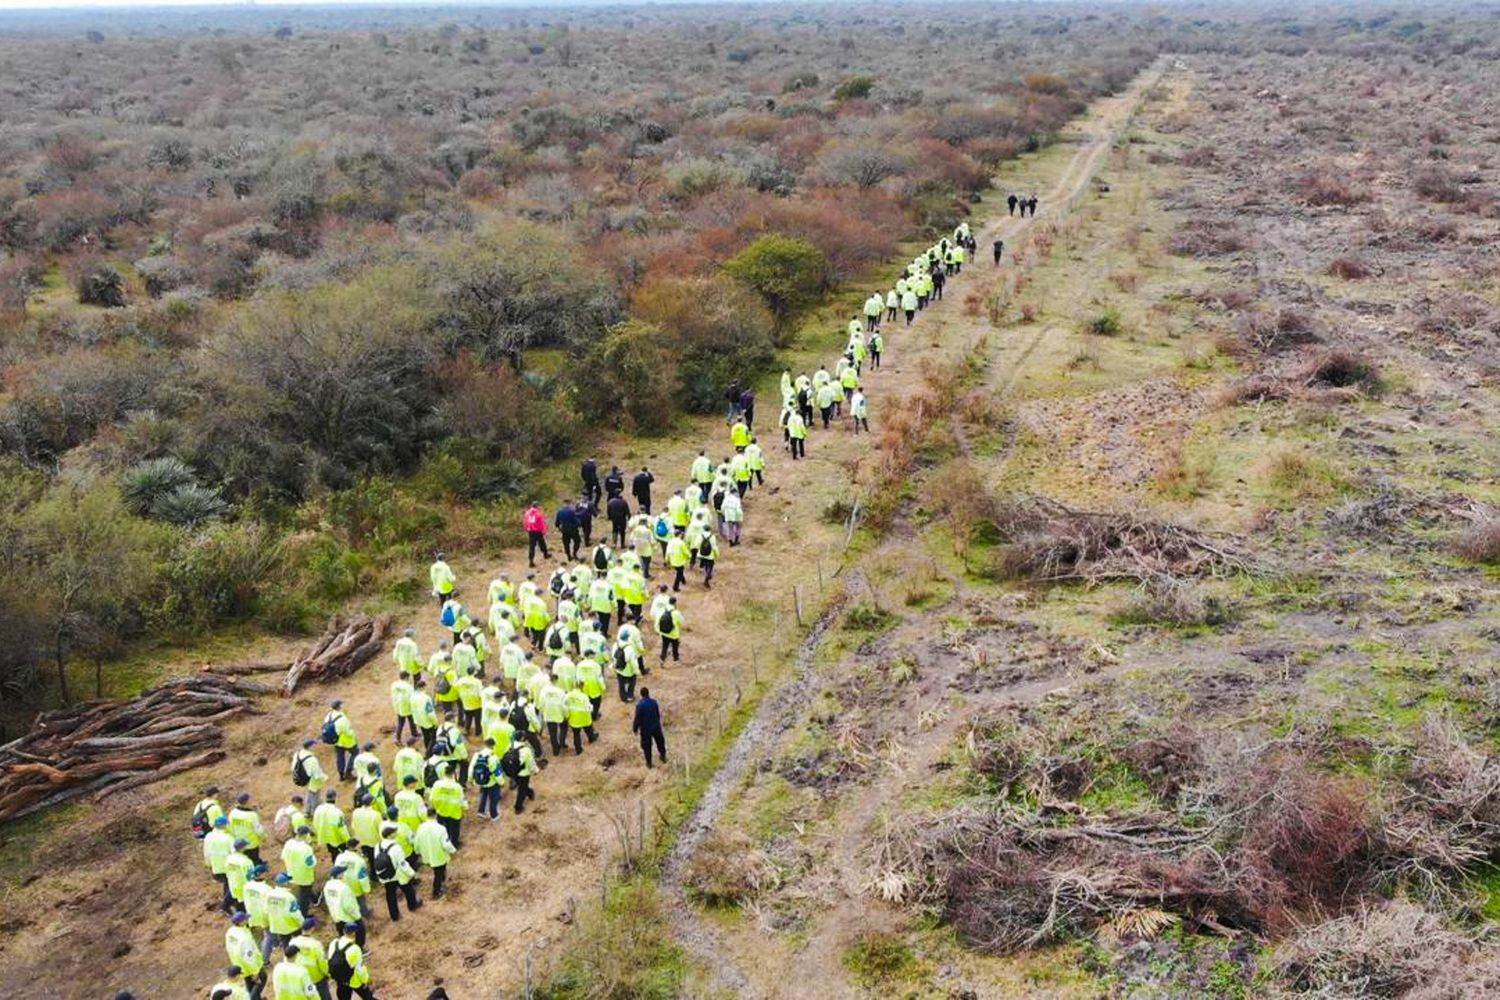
(344, 648)
(104, 747)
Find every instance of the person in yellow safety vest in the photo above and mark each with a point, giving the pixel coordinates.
(678, 556)
(708, 557)
(901, 287)
(850, 379)
(755, 458)
(873, 307)
(501, 590)
(338, 731)
(447, 800)
(731, 518)
(828, 395)
(279, 914)
(424, 712)
(408, 763)
(601, 601)
(435, 847)
(703, 474)
(536, 618)
(520, 769)
(329, 828)
(487, 777)
(550, 700)
(960, 255)
(511, 657)
(437, 663)
(301, 866)
(445, 688)
(313, 957)
(669, 627)
(580, 718)
(565, 672)
(481, 647)
(739, 434)
(290, 816)
(740, 472)
(501, 730)
(633, 592)
(358, 875)
(591, 682)
(455, 618)
(366, 762)
(243, 950)
(504, 618)
(342, 903)
(406, 654)
(855, 329)
(245, 824)
(443, 580)
(231, 987)
(677, 510)
(290, 981)
(217, 847)
(410, 806)
(307, 770)
(206, 812)
(237, 869)
(470, 700)
(372, 789)
(364, 823)
(877, 344)
(892, 304)
(796, 432)
(464, 656)
(859, 411)
(458, 750)
(401, 692)
(626, 660)
(346, 964)
(395, 873)
(909, 305)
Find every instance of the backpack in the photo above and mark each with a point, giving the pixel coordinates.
(443, 687)
(518, 720)
(385, 868)
(429, 773)
(601, 558)
(706, 547)
(661, 529)
(620, 667)
(330, 733)
(450, 616)
(338, 964)
(481, 771)
(510, 764)
(300, 777)
(200, 822)
(664, 623)
(555, 641)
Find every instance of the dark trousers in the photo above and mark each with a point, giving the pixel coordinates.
(429, 737)
(646, 564)
(439, 876)
(597, 703)
(347, 992)
(523, 793)
(799, 448)
(708, 572)
(647, 739)
(592, 492)
(587, 527)
(358, 929)
(536, 540)
(343, 761)
(602, 617)
(678, 581)
(617, 533)
(674, 645)
(306, 897)
(557, 736)
(627, 687)
(578, 734)
(226, 904)
(322, 987)
(572, 541)
(534, 739)
(635, 613)
(393, 891)
(743, 485)
(403, 722)
(911, 314)
(643, 501)
(452, 826)
(827, 413)
(890, 313)
(489, 801)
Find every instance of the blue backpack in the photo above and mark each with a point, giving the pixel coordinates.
(450, 616)
(330, 733)
(661, 527)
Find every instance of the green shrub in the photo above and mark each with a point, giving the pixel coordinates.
(1104, 323)
(854, 88)
(630, 374)
(718, 329)
(786, 272)
(219, 575)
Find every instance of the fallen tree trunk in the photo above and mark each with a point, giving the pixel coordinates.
(176, 767)
(344, 650)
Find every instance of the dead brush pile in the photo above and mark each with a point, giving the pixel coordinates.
(1046, 541)
(1258, 839)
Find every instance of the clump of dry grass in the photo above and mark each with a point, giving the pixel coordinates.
(1348, 268)
(1480, 541)
(1339, 369)
(1324, 188)
(1380, 951)
(727, 869)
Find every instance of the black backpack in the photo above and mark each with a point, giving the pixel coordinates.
(601, 557)
(300, 777)
(200, 823)
(664, 623)
(338, 964)
(481, 771)
(429, 774)
(619, 660)
(555, 641)
(706, 547)
(510, 764)
(518, 720)
(385, 868)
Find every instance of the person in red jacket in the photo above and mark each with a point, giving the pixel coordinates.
(535, 523)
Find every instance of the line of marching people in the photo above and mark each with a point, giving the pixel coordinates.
(489, 705)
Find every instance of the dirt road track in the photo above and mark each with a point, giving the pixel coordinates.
(1101, 128)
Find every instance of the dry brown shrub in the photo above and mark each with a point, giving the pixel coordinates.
(1339, 369)
(1322, 188)
(727, 869)
(1029, 312)
(1348, 268)
(973, 302)
(1204, 238)
(1125, 281)
(1382, 951)
(1480, 541)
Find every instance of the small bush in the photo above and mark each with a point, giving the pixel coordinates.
(101, 285)
(727, 870)
(1480, 542)
(1339, 370)
(1173, 603)
(1379, 952)
(1348, 268)
(867, 618)
(879, 959)
(1105, 323)
(1323, 189)
(854, 88)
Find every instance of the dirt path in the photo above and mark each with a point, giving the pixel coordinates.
(945, 325)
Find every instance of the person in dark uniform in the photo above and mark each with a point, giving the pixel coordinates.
(614, 483)
(566, 522)
(647, 726)
(590, 473)
(999, 249)
(640, 488)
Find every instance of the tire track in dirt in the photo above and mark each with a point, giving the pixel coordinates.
(701, 940)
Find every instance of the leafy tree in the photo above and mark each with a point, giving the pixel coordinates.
(787, 272)
(628, 377)
(517, 285)
(718, 329)
(94, 561)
